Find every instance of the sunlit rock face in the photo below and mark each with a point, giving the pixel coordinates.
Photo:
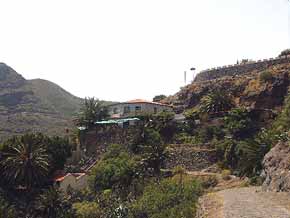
(277, 168)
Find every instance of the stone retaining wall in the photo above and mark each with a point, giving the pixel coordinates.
(239, 69)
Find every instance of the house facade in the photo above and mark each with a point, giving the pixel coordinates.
(75, 181)
(137, 107)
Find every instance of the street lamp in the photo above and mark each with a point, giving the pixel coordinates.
(193, 72)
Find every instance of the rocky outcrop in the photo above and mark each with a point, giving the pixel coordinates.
(277, 168)
(247, 90)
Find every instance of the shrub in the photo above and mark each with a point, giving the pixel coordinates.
(250, 155)
(184, 138)
(285, 52)
(152, 149)
(115, 170)
(209, 181)
(159, 98)
(87, 210)
(169, 199)
(215, 102)
(6, 209)
(238, 123)
(164, 123)
(266, 76)
(256, 181)
(226, 174)
(191, 115)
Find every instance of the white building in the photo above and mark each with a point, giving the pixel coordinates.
(76, 181)
(136, 107)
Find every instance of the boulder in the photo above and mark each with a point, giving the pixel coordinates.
(276, 170)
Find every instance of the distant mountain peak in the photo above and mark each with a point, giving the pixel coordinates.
(33, 105)
(9, 78)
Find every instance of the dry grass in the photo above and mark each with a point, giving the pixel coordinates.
(210, 206)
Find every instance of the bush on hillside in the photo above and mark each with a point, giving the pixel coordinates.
(159, 98)
(238, 123)
(250, 156)
(266, 76)
(115, 170)
(169, 199)
(215, 102)
(226, 174)
(6, 209)
(87, 209)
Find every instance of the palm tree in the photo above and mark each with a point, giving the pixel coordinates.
(216, 102)
(6, 210)
(24, 161)
(92, 110)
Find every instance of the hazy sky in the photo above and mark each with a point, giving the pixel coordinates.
(126, 49)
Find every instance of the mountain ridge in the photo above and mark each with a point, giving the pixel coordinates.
(35, 105)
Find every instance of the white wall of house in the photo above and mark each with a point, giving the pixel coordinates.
(76, 183)
(133, 109)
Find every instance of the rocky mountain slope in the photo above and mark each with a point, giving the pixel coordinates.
(33, 105)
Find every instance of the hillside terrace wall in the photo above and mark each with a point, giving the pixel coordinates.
(190, 157)
(238, 69)
(97, 141)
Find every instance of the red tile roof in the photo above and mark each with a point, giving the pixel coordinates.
(145, 101)
(61, 177)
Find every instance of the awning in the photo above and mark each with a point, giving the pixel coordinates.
(117, 121)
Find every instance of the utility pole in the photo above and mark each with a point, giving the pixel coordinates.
(184, 77)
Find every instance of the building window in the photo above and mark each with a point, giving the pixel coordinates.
(155, 110)
(138, 108)
(115, 110)
(126, 109)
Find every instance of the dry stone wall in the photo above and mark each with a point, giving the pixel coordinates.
(238, 69)
(190, 157)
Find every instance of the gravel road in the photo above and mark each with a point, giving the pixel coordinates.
(252, 203)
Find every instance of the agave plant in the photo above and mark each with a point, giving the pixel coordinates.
(216, 102)
(24, 161)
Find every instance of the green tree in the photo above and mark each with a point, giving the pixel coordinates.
(250, 156)
(266, 76)
(238, 123)
(115, 170)
(24, 161)
(92, 110)
(164, 123)
(6, 209)
(159, 98)
(52, 204)
(58, 149)
(215, 102)
(153, 150)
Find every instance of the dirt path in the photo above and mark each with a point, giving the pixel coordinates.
(247, 202)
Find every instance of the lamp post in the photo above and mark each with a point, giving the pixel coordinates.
(193, 73)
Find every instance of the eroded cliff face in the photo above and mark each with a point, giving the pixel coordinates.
(277, 168)
(247, 89)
